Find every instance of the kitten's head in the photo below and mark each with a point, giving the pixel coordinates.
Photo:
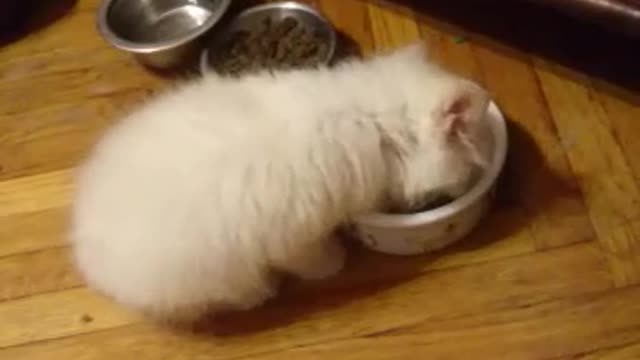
(448, 140)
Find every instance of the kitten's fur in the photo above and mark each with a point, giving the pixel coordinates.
(195, 199)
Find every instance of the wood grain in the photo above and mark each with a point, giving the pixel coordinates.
(622, 121)
(56, 315)
(553, 272)
(391, 29)
(57, 137)
(452, 52)
(524, 333)
(558, 214)
(33, 231)
(36, 272)
(74, 33)
(616, 353)
(602, 170)
(400, 298)
(35, 193)
(351, 18)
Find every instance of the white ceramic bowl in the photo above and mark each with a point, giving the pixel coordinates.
(418, 233)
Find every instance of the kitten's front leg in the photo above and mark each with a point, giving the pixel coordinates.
(320, 260)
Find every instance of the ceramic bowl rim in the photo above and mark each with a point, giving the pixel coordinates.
(107, 32)
(473, 196)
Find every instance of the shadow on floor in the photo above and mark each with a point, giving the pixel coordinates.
(368, 273)
(514, 26)
(19, 18)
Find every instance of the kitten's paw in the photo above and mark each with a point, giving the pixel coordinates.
(256, 296)
(328, 261)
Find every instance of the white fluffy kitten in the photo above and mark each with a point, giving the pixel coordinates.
(195, 200)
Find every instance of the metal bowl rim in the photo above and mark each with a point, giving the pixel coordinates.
(106, 31)
(292, 5)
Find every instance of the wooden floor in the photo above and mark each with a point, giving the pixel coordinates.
(553, 272)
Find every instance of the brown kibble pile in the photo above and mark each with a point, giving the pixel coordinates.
(273, 45)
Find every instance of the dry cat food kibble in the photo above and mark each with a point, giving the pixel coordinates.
(283, 44)
(436, 201)
(439, 201)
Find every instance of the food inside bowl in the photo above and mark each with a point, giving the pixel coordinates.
(283, 44)
(408, 234)
(436, 202)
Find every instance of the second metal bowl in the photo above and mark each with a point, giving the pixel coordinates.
(252, 17)
(161, 33)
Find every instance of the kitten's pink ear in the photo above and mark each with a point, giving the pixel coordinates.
(461, 111)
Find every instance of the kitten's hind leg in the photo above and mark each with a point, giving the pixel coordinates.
(316, 261)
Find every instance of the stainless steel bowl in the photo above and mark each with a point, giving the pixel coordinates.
(253, 16)
(161, 33)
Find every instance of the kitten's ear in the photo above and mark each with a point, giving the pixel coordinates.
(460, 112)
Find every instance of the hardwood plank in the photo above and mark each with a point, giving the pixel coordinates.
(35, 193)
(446, 49)
(391, 26)
(502, 234)
(80, 84)
(74, 32)
(352, 19)
(307, 315)
(30, 234)
(624, 123)
(26, 269)
(39, 65)
(550, 197)
(27, 232)
(542, 179)
(617, 353)
(384, 18)
(604, 175)
(493, 294)
(451, 52)
(622, 248)
(35, 273)
(543, 331)
(57, 315)
(57, 137)
(595, 155)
